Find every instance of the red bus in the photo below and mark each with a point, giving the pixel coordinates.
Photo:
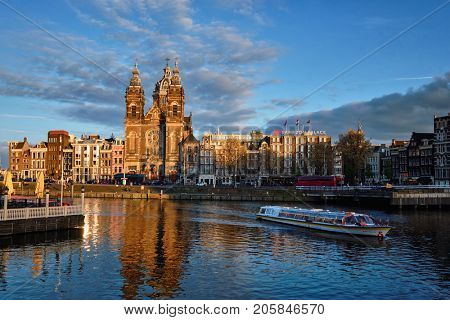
(318, 181)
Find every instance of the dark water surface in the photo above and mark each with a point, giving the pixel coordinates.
(134, 249)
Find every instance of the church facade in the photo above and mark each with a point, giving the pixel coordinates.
(153, 136)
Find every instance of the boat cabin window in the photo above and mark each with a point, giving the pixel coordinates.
(358, 220)
(364, 220)
(263, 210)
(350, 220)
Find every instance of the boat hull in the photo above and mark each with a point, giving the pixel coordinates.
(375, 231)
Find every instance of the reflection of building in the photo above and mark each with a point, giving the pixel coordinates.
(153, 251)
(442, 150)
(152, 137)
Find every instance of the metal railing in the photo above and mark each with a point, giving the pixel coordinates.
(398, 187)
(41, 212)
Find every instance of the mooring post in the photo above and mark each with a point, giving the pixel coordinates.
(82, 200)
(47, 200)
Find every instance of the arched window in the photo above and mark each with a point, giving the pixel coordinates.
(175, 110)
(133, 111)
(132, 142)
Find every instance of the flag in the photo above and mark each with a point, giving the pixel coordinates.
(285, 123)
(308, 122)
(297, 123)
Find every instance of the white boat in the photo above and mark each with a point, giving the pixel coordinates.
(325, 220)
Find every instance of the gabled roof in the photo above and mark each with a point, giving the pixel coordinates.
(190, 139)
(418, 136)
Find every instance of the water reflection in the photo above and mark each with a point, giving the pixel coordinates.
(137, 249)
(155, 245)
(33, 250)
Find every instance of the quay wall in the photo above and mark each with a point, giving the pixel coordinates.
(20, 226)
(380, 197)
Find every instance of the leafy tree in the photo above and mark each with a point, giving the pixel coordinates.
(355, 150)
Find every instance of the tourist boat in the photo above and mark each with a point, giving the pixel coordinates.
(325, 220)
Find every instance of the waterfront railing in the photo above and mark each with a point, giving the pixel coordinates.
(400, 187)
(41, 212)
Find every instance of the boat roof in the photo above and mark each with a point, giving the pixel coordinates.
(321, 212)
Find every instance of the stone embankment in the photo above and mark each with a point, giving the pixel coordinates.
(380, 196)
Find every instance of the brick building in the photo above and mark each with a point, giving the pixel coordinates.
(57, 141)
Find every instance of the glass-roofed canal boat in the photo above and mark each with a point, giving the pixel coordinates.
(325, 220)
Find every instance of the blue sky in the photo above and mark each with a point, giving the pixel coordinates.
(242, 62)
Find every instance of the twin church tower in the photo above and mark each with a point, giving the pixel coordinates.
(153, 137)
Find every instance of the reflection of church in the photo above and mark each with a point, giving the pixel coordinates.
(154, 249)
(153, 137)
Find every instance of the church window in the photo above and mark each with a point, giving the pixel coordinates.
(175, 110)
(132, 142)
(133, 111)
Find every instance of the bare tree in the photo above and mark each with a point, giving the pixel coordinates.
(354, 149)
(321, 158)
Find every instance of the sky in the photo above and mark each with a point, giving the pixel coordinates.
(244, 64)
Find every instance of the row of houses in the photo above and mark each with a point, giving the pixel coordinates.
(423, 159)
(89, 158)
(254, 158)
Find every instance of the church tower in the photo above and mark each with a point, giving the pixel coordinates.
(153, 137)
(134, 116)
(168, 96)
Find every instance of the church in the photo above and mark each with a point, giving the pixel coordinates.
(153, 136)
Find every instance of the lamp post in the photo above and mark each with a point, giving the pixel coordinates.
(5, 203)
(47, 201)
(82, 200)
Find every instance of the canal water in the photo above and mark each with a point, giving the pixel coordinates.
(137, 249)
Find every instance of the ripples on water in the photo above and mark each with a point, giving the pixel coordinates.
(133, 249)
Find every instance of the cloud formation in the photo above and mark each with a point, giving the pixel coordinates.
(384, 118)
(217, 61)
